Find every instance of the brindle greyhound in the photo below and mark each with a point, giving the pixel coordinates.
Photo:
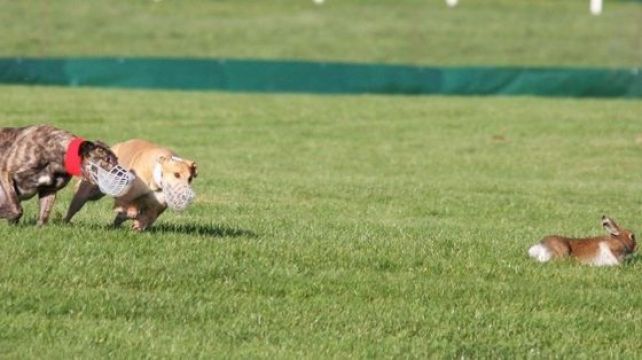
(41, 159)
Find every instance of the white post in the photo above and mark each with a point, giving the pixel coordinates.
(596, 7)
(451, 3)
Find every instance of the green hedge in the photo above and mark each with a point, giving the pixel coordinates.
(321, 78)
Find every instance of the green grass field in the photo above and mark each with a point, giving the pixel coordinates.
(488, 32)
(335, 227)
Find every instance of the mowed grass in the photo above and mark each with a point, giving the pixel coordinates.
(489, 32)
(335, 227)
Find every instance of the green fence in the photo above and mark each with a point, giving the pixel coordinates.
(320, 78)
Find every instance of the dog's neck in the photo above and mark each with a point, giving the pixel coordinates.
(73, 160)
(157, 177)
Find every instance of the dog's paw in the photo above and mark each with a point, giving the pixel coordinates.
(139, 226)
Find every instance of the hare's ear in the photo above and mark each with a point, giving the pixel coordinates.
(610, 226)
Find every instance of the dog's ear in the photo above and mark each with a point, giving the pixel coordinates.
(193, 169)
(99, 143)
(85, 148)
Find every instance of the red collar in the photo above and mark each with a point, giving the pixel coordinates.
(73, 160)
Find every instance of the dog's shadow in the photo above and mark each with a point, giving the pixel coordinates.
(193, 229)
(200, 230)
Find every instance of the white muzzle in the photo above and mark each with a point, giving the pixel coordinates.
(114, 182)
(178, 196)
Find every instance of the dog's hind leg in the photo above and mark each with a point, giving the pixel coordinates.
(46, 201)
(86, 192)
(10, 208)
(120, 219)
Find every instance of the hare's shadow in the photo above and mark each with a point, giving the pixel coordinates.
(632, 259)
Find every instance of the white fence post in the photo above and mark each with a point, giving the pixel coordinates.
(596, 7)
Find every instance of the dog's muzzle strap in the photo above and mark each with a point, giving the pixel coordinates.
(178, 196)
(114, 182)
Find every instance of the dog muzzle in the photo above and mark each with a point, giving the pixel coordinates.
(114, 182)
(178, 196)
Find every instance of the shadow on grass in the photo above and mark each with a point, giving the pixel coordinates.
(632, 259)
(211, 230)
(202, 230)
(185, 229)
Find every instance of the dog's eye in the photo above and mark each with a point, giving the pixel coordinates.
(177, 175)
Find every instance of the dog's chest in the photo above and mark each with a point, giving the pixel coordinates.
(159, 197)
(29, 183)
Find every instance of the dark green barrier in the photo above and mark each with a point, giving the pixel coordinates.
(324, 78)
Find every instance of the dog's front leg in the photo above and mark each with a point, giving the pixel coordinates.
(10, 208)
(86, 192)
(46, 200)
(120, 219)
(145, 219)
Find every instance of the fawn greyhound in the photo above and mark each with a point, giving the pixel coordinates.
(162, 180)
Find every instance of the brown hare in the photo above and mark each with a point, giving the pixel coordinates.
(606, 250)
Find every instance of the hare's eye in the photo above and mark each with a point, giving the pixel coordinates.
(632, 237)
(177, 175)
